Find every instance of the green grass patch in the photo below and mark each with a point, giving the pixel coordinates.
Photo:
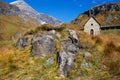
(11, 27)
(111, 31)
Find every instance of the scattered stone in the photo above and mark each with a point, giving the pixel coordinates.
(85, 60)
(85, 64)
(87, 55)
(52, 32)
(22, 43)
(50, 61)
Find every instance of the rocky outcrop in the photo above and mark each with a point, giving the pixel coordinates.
(100, 9)
(66, 56)
(7, 9)
(43, 44)
(22, 43)
(66, 62)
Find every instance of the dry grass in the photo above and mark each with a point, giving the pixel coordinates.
(22, 65)
(83, 19)
(105, 50)
(10, 25)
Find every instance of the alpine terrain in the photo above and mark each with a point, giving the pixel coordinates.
(27, 11)
(35, 46)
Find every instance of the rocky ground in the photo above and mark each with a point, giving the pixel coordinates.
(44, 44)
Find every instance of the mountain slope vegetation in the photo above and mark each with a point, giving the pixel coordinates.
(105, 14)
(22, 64)
(104, 62)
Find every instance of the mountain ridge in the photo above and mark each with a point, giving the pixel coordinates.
(26, 9)
(7, 9)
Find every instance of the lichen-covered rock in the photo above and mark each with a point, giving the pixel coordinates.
(66, 62)
(85, 62)
(70, 45)
(43, 44)
(22, 42)
(66, 56)
(87, 55)
(73, 34)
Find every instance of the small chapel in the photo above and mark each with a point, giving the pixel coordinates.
(92, 27)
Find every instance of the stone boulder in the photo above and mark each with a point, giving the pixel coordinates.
(70, 45)
(52, 32)
(87, 55)
(43, 44)
(73, 34)
(66, 56)
(22, 42)
(85, 62)
(66, 62)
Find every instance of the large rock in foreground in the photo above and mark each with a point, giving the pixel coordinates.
(43, 44)
(67, 55)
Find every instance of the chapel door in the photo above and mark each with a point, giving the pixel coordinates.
(92, 32)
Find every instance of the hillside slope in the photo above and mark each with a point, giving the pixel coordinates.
(10, 23)
(105, 14)
(7, 9)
